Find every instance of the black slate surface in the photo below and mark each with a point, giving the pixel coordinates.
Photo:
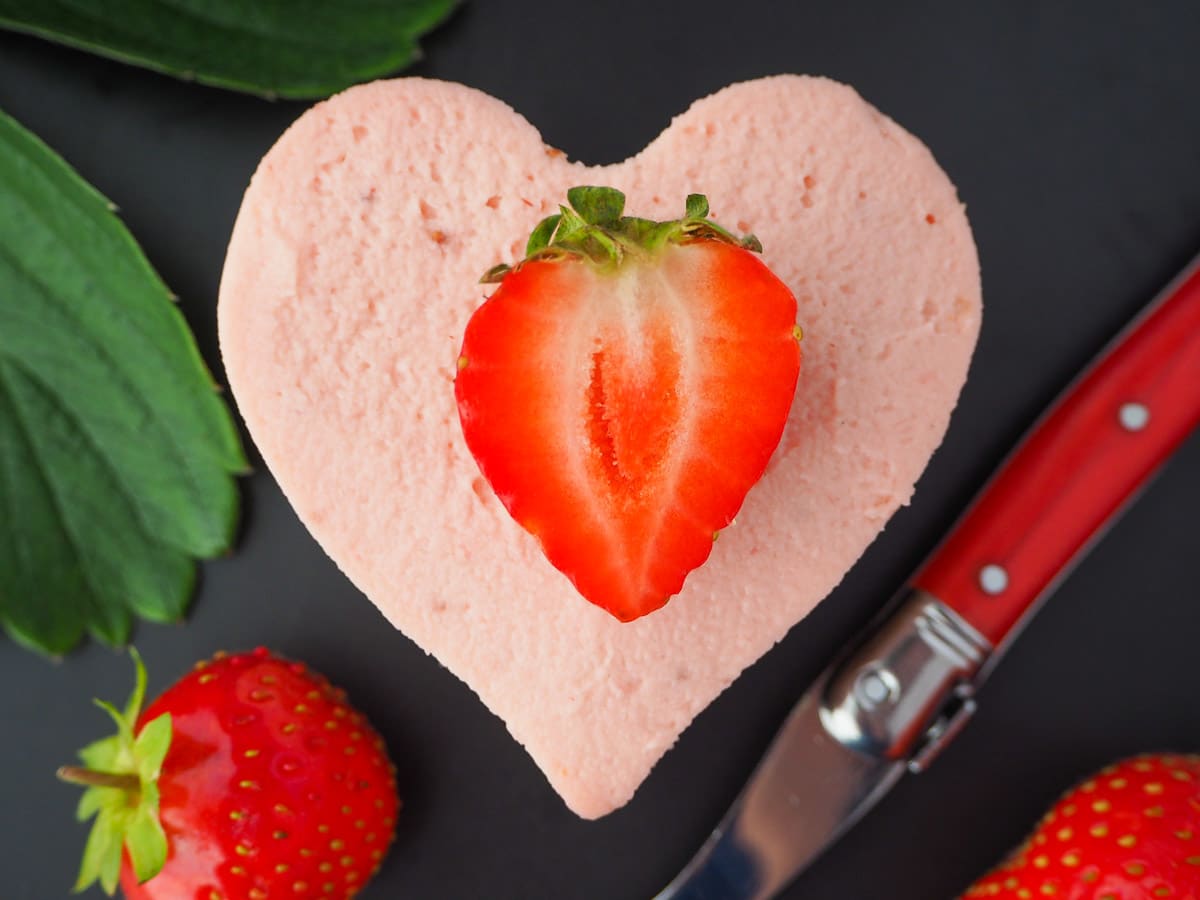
(1073, 133)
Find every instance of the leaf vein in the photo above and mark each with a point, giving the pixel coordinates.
(184, 464)
(23, 432)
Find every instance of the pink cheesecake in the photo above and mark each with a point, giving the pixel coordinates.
(352, 272)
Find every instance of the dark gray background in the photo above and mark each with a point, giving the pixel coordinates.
(1073, 133)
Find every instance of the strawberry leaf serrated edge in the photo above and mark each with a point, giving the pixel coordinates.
(117, 456)
(591, 226)
(126, 820)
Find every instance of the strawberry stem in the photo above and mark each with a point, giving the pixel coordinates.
(91, 778)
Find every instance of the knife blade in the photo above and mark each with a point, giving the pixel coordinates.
(906, 686)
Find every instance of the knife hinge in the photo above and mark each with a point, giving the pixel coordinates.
(906, 691)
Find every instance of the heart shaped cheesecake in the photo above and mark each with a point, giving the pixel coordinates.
(351, 276)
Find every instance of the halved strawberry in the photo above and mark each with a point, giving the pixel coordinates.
(623, 389)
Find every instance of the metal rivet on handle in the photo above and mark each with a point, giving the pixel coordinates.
(993, 579)
(1133, 416)
(875, 686)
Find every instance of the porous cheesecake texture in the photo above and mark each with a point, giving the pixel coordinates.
(350, 277)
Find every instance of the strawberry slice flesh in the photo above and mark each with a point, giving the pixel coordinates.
(621, 415)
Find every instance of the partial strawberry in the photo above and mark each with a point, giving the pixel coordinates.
(250, 778)
(1130, 833)
(623, 389)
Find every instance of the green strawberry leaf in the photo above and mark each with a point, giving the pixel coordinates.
(539, 239)
(150, 747)
(285, 48)
(116, 454)
(145, 838)
(133, 706)
(101, 854)
(597, 205)
(124, 726)
(91, 802)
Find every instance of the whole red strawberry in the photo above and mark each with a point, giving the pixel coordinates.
(250, 778)
(1130, 833)
(624, 387)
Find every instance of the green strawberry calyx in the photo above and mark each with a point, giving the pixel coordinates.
(592, 227)
(121, 773)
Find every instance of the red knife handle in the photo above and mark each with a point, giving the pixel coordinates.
(1076, 469)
